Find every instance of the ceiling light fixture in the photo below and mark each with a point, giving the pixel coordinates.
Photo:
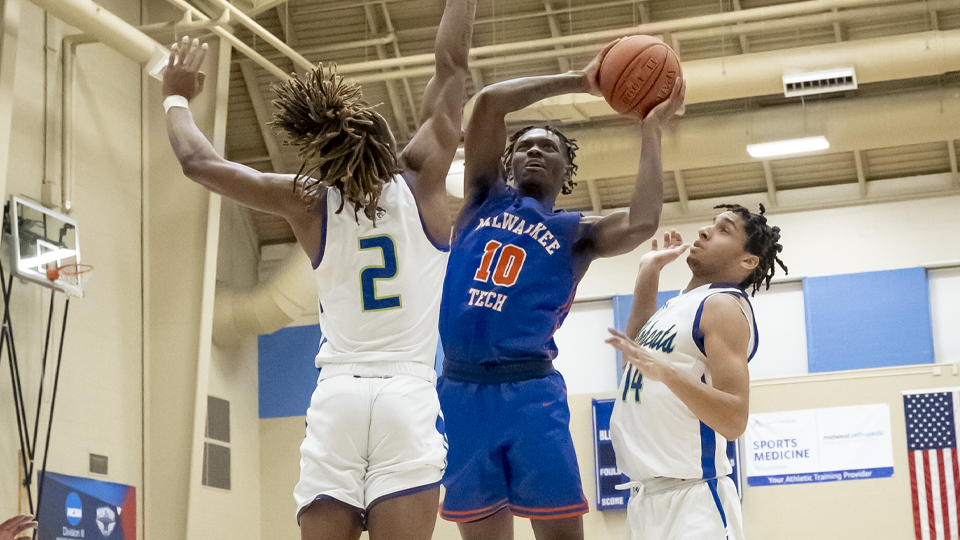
(791, 146)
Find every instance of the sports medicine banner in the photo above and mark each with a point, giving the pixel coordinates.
(75, 508)
(819, 445)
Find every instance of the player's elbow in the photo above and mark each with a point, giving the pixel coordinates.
(452, 63)
(734, 427)
(197, 166)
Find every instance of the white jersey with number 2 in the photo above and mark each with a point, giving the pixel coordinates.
(379, 287)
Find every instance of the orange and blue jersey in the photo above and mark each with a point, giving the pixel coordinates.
(512, 274)
(513, 271)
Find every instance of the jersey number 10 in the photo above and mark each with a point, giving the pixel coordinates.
(507, 269)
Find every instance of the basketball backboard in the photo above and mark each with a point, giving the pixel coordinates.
(40, 240)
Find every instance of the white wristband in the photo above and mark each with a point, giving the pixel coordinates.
(175, 101)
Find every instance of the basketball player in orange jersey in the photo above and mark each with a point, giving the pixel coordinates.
(514, 268)
(375, 225)
(685, 389)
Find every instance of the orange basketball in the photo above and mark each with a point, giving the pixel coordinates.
(638, 73)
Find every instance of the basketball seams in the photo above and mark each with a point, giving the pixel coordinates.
(621, 70)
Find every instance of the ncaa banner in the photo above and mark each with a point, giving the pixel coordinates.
(82, 508)
(819, 445)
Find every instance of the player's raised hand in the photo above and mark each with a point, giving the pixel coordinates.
(593, 69)
(10, 528)
(673, 247)
(668, 108)
(649, 366)
(183, 76)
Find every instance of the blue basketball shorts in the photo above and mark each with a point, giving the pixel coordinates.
(510, 447)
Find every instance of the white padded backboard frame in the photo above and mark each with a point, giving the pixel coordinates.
(41, 239)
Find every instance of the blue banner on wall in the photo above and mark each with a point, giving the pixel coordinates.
(82, 508)
(608, 475)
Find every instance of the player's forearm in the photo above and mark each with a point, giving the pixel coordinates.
(455, 34)
(644, 298)
(647, 201)
(508, 96)
(723, 412)
(192, 149)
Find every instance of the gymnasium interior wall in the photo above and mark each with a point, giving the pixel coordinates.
(99, 401)
(886, 236)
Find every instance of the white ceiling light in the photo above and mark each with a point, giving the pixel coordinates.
(819, 82)
(791, 146)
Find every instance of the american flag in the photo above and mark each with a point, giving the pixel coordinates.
(934, 469)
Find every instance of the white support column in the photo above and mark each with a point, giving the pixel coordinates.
(771, 186)
(594, 195)
(195, 512)
(952, 151)
(744, 43)
(260, 111)
(681, 190)
(8, 66)
(861, 175)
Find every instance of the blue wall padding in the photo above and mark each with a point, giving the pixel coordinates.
(868, 320)
(621, 314)
(288, 374)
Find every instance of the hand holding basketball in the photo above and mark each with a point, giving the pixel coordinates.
(183, 76)
(637, 73)
(593, 69)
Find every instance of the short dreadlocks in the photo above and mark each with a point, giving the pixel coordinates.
(570, 145)
(762, 241)
(342, 141)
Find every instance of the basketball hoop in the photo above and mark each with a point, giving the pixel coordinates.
(70, 274)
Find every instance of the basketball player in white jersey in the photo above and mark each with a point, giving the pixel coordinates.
(685, 389)
(375, 224)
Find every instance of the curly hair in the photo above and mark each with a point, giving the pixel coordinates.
(569, 145)
(762, 241)
(342, 141)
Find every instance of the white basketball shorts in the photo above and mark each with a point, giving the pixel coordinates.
(370, 438)
(707, 510)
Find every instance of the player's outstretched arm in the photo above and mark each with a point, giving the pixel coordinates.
(724, 406)
(430, 152)
(271, 193)
(622, 232)
(648, 280)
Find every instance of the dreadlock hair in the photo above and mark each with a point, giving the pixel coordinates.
(762, 241)
(569, 145)
(342, 141)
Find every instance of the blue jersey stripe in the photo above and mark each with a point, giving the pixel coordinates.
(712, 484)
(708, 451)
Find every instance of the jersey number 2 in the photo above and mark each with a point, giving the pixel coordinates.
(370, 274)
(508, 266)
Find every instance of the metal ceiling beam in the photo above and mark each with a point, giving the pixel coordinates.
(952, 151)
(681, 189)
(263, 116)
(289, 33)
(744, 42)
(861, 173)
(392, 95)
(562, 61)
(705, 22)
(771, 186)
(233, 41)
(265, 34)
(594, 192)
(396, 52)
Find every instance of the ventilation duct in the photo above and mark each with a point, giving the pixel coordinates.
(819, 82)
